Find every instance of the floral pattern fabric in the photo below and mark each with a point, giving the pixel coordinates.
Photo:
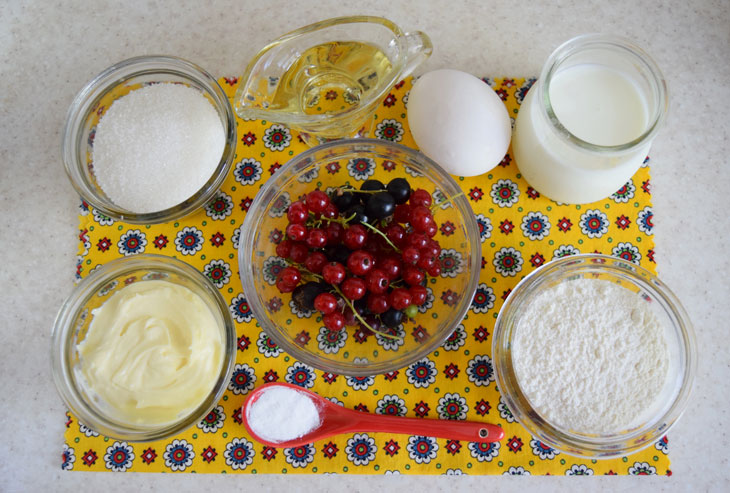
(519, 229)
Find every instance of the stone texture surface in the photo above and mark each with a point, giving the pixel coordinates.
(50, 49)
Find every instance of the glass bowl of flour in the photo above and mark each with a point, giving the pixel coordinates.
(594, 356)
(149, 140)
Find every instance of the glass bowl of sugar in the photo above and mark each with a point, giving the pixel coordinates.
(594, 356)
(149, 140)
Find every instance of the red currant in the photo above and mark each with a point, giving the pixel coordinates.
(354, 288)
(402, 213)
(334, 233)
(297, 213)
(431, 230)
(400, 298)
(418, 240)
(360, 262)
(325, 303)
(290, 275)
(284, 248)
(426, 262)
(433, 247)
(377, 281)
(413, 276)
(296, 232)
(331, 211)
(420, 197)
(355, 237)
(421, 218)
(317, 201)
(411, 255)
(378, 303)
(284, 287)
(396, 234)
(334, 273)
(419, 295)
(435, 269)
(334, 321)
(391, 265)
(316, 238)
(315, 262)
(298, 252)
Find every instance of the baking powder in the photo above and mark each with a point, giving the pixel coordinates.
(590, 356)
(282, 413)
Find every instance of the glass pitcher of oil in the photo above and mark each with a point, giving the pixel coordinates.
(325, 80)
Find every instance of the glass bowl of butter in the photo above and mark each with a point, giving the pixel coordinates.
(143, 348)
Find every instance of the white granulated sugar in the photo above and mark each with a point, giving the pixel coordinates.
(156, 146)
(590, 356)
(281, 414)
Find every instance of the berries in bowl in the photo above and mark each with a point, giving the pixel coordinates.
(359, 257)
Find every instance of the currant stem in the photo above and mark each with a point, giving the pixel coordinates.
(355, 190)
(362, 320)
(341, 220)
(445, 201)
(383, 235)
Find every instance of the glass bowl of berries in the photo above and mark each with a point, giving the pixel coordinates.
(359, 257)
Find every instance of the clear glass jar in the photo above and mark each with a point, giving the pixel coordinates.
(560, 164)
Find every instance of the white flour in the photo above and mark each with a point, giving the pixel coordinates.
(281, 414)
(156, 146)
(590, 356)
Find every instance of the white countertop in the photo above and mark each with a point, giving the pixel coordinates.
(50, 49)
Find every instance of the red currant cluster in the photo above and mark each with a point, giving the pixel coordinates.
(364, 254)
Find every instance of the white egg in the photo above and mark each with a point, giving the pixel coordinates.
(458, 121)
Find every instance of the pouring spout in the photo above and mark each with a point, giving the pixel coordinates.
(418, 49)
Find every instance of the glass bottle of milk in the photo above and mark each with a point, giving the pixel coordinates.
(587, 123)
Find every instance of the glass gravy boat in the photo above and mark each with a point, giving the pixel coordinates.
(326, 79)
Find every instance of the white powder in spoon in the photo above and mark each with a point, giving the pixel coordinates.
(156, 146)
(590, 356)
(282, 413)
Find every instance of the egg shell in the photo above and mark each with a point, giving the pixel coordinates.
(458, 121)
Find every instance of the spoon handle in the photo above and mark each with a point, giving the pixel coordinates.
(438, 428)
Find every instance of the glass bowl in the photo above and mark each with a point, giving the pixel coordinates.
(652, 424)
(352, 351)
(72, 323)
(118, 80)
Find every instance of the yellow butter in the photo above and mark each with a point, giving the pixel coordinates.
(152, 354)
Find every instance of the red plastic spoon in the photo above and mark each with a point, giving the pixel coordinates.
(335, 419)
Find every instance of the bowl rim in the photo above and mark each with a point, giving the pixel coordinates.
(256, 213)
(61, 339)
(86, 99)
(571, 444)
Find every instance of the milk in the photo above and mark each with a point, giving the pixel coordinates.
(600, 106)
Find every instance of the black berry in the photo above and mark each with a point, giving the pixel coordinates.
(400, 189)
(343, 200)
(359, 212)
(380, 205)
(392, 318)
(370, 185)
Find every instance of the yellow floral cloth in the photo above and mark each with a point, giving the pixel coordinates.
(520, 230)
